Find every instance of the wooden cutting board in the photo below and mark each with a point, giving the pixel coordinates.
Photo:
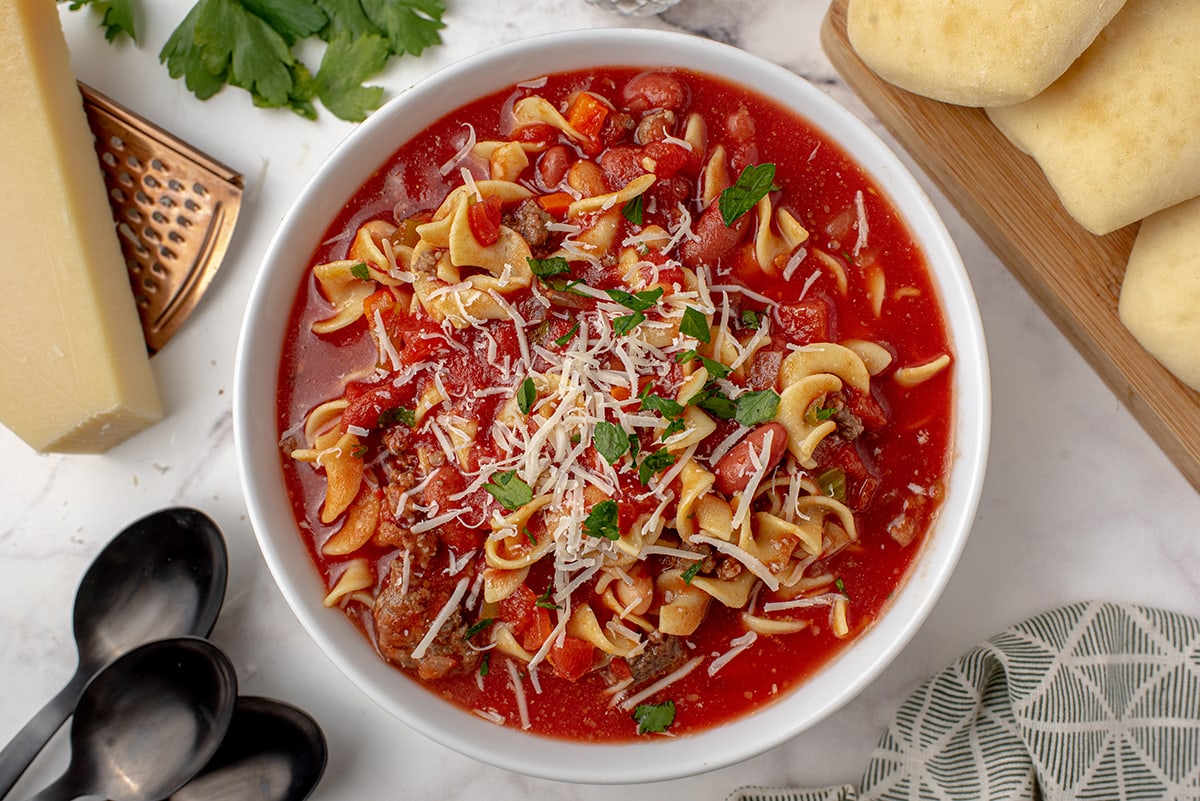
(1074, 275)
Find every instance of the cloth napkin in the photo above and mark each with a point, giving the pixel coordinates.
(1093, 700)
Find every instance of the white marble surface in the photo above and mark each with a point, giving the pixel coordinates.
(1079, 502)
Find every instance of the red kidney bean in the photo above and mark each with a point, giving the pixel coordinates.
(715, 238)
(553, 165)
(654, 90)
(736, 468)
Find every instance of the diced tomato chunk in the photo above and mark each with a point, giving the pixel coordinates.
(668, 157)
(517, 609)
(806, 321)
(484, 219)
(537, 634)
(867, 409)
(443, 484)
(571, 658)
(538, 133)
(862, 479)
(366, 405)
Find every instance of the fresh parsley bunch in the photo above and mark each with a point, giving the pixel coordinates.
(251, 44)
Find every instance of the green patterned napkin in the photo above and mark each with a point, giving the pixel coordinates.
(1094, 700)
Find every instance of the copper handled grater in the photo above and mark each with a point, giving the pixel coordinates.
(174, 209)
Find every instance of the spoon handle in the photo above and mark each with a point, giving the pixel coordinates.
(24, 748)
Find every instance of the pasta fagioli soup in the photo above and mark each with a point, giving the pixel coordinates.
(615, 403)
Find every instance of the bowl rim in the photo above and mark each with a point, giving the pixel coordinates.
(255, 435)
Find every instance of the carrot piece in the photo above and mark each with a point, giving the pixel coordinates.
(556, 203)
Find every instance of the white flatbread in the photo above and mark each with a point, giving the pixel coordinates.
(974, 52)
(1118, 135)
(1160, 296)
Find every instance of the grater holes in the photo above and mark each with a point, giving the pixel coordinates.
(108, 158)
(174, 185)
(132, 162)
(148, 233)
(191, 205)
(142, 198)
(167, 253)
(117, 194)
(157, 268)
(125, 179)
(198, 188)
(116, 142)
(183, 222)
(151, 181)
(133, 215)
(157, 165)
(175, 237)
(158, 217)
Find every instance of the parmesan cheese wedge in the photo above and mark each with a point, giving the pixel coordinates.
(77, 376)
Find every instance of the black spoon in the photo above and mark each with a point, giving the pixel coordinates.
(271, 752)
(163, 576)
(148, 722)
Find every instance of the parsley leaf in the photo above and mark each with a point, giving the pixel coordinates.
(756, 407)
(485, 664)
(610, 440)
(250, 44)
(361, 271)
(664, 406)
(694, 324)
(654, 463)
(544, 601)
(691, 572)
(627, 322)
(526, 396)
(544, 268)
(602, 521)
(638, 302)
(654, 718)
(567, 337)
(346, 64)
(399, 414)
(410, 25)
(479, 626)
(116, 16)
(714, 368)
(751, 186)
(509, 490)
(632, 210)
(751, 319)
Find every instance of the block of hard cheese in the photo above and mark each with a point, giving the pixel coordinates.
(76, 372)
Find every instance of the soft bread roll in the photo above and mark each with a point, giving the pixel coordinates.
(974, 52)
(1118, 135)
(1160, 297)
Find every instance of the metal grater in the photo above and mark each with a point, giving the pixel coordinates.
(174, 209)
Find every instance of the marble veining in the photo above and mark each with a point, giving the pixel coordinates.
(1079, 502)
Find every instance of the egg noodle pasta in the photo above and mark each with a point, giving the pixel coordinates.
(584, 407)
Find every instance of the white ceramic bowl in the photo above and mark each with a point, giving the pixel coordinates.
(258, 455)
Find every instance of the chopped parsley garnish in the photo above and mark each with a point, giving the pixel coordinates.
(673, 427)
(391, 417)
(526, 396)
(361, 271)
(358, 451)
(602, 521)
(610, 441)
(509, 490)
(756, 407)
(713, 401)
(694, 324)
(752, 186)
(657, 403)
(627, 322)
(714, 368)
(566, 338)
(691, 572)
(636, 301)
(544, 601)
(485, 664)
(654, 463)
(479, 626)
(632, 210)
(841, 586)
(818, 414)
(751, 319)
(529, 535)
(654, 718)
(545, 268)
